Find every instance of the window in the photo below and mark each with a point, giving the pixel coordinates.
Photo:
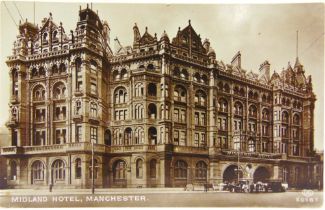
(95, 169)
(180, 170)
(93, 110)
(120, 95)
(139, 169)
(78, 168)
(182, 140)
(39, 137)
(202, 119)
(78, 107)
(14, 137)
(176, 137)
(196, 117)
(58, 168)
(196, 139)
(222, 105)
(13, 170)
(237, 143)
(78, 133)
(251, 145)
(183, 115)
(93, 134)
(238, 108)
(264, 147)
(37, 171)
(203, 141)
(119, 170)
(60, 112)
(176, 115)
(180, 94)
(152, 89)
(40, 115)
(295, 149)
(93, 87)
(153, 168)
(201, 170)
(60, 136)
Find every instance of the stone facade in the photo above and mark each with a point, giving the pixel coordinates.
(161, 113)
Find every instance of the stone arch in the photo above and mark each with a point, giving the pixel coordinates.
(230, 173)
(261, 174)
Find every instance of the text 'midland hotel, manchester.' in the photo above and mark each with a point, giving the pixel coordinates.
(163, 112)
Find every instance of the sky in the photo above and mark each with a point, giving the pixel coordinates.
(261, 32)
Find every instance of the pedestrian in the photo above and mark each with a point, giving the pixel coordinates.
(205, 187)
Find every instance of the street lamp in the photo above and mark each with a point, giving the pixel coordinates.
(92, 167)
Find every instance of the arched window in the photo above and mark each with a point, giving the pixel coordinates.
(117, 135)
(14, 114)
(201, 170)
(93, 109)
(59, 91)
(220, 86)
(180, 94)
(285, 117)
(120, 95)
(152, 111)
(264, 100)
(58, 169)
(139, 135)
(37, 171)
(196, 77)
(252, 112)
(55, 69)
(108, 138)
(116, 75)
(222, 105)
(255, 96)
(34, 73)
(265, 114)
(124, 74)
(152, 133)
(153, 168)
(238, 108)
(95, 169)
(41, 72)
(200, 98)
(15, 82)
(128, 136)
(13, 170)
(251, 145)
(138, 90)
(227, 88)
(119, 170)
(139, 169)
(242, 92)
(204, 79)
(180, 170)
(62, 68)
(296, 119)
(250, 94)
(78, 172)
(152, 89)
(176, 72)
(151, 67)
(184, 74)
(39, 93)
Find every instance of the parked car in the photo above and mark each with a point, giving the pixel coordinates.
(276, 186)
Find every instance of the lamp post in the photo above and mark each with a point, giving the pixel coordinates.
(92, 167)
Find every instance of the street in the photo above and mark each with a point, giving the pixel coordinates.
(156, 198)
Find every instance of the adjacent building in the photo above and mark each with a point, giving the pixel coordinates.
(160, 113)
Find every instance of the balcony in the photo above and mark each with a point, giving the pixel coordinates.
(94, 120)
(13, 122)
(11, 150)
(77, 117)
(14, 99)
(190, 150)
(78, 92)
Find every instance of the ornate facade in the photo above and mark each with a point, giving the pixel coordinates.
(161, 113)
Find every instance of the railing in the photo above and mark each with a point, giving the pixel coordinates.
(76, 146)
(189, 149)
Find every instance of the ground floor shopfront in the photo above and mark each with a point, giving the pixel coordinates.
(153, 170)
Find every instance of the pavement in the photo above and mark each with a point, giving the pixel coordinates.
(155, 197)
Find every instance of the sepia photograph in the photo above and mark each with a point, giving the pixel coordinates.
(161, 104)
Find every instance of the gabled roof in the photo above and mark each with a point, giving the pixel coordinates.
(188, 38)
